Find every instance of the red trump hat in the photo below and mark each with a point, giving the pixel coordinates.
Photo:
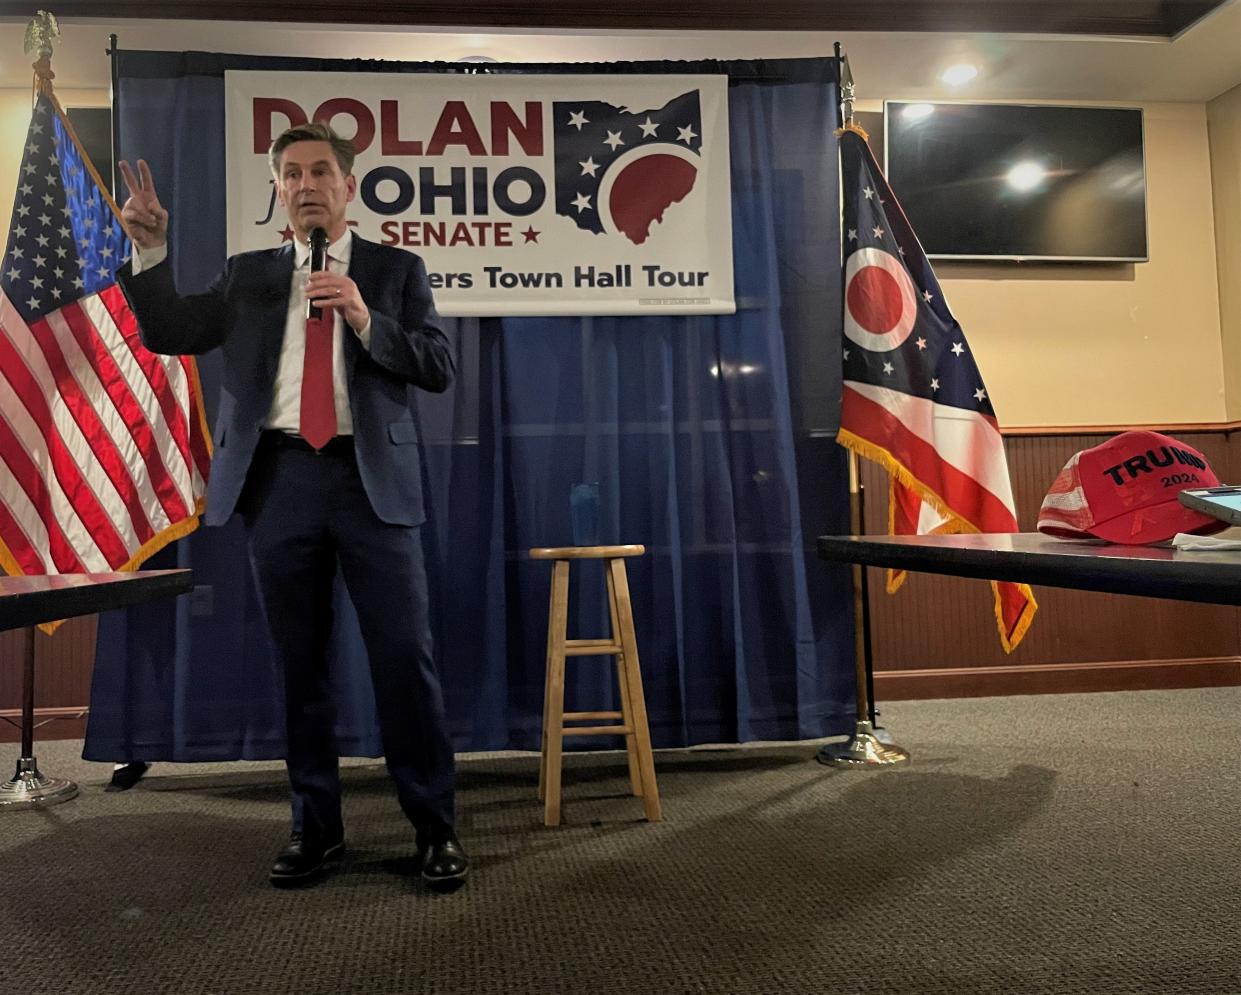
(1125, 490)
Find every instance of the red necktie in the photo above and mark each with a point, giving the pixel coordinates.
(317, 423)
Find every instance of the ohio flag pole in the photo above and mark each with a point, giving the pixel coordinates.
(864, 749)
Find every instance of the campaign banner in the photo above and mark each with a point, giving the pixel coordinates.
(524, 195)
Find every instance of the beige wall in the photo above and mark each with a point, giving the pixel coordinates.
(1070, 344)
(15, 121)
(1224, 127)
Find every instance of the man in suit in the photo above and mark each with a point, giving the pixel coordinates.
(316, 446)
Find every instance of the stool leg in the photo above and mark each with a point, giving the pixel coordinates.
(553, 727)
(637, 700)
(631, 741)
(547, 684)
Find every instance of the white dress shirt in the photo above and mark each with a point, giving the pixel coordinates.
(287, 391)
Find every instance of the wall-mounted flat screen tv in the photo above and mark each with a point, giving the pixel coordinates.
(1014, 181)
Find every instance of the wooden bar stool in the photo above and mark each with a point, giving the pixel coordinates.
(623, 646)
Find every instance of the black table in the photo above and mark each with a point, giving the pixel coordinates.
(1033, 558)
(32, 600)
(29, 601)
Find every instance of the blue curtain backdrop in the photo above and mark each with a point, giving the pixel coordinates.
(710, 437)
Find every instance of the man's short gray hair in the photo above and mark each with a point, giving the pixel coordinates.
(315, 131)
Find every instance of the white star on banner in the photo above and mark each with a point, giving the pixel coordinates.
(887, 367)
(589, 167)
(979, 394)
(581, 202)
(877, 232)
(852, 234)
(934, 384)
(577, 119)
(921, 343)
(869, 193)
(957, 348)
(614, 140)
(686, 134)
(927, 296)
(648, 129)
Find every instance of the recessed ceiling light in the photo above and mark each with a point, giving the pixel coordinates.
(960, 74)
(1026, 176)
(916, 112)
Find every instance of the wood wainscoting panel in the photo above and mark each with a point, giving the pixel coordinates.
(63, 663)
(936, 637)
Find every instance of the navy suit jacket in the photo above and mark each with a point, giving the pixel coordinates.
(243, 314)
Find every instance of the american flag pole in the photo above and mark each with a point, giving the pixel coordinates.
(863, 749)
(29, 786)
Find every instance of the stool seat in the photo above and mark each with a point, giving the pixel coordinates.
(585, 552)
(622, 645)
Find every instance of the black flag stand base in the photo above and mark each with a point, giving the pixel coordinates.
(863, 748)
(29, 788)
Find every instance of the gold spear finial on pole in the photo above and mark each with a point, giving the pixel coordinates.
(41, 33)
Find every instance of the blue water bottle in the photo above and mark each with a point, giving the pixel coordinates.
(584, 514)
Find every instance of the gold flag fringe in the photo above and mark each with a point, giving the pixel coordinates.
(954, 525)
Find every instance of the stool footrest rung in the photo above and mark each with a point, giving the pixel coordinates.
(591, 647)
(598, 731)
(583, 716)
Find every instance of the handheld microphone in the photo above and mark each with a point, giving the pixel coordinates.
(318, 262)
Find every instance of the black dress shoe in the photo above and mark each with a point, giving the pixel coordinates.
(125, 776)
(444, 863)
(303, 859)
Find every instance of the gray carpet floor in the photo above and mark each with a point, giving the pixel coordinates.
(1042, 844)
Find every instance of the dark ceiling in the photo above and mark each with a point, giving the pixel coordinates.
(1158, 18)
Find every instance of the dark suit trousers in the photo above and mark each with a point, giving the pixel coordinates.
(305, 512)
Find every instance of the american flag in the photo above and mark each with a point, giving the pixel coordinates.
(618, 170)
(103, 445)
(913, 399)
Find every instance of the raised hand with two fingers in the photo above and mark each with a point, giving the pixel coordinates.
(142, 213)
